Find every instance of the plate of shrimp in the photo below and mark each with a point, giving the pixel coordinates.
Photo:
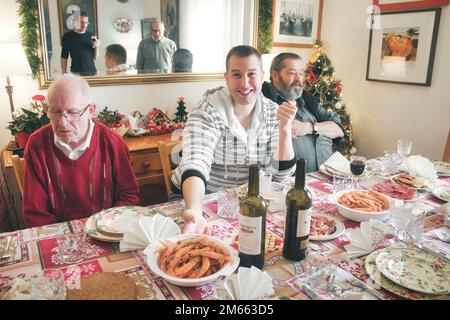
(363, 205)
(191, 260)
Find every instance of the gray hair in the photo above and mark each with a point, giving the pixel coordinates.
(69, 83)
(278, 62)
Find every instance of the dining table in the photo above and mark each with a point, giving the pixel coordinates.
(36, 249)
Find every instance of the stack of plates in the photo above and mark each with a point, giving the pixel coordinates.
(442, 168)
(410, 273)
(110, 224)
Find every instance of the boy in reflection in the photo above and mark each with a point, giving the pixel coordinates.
(74, 167)
(155, 53)
(116, 60)
(182, 61)
(82, 48)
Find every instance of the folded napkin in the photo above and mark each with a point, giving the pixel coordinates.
(365, 239)
(338, 163)
(142, 232)
(249, 284)
(419, 166)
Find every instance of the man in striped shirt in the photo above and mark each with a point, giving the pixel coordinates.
(231, 128)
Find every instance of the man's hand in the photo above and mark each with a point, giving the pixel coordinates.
(194, 222)
(96, 43)
(286, 114)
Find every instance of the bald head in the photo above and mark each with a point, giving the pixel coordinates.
(69, 87)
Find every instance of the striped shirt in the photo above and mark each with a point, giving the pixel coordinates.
(216, 146)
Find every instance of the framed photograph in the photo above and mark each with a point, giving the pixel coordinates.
(69, 13)
(402, 47)
(170, 16)
(296, 23)
(393, 5)
(146, 30)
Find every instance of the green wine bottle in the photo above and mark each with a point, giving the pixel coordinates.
(252, 224)
(298, 217)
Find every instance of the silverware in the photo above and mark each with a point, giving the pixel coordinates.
(6, 253)
(361, 284)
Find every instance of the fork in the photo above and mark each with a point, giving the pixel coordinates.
(361, 284)
(6, 253)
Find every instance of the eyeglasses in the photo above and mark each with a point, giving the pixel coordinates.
(70, 116)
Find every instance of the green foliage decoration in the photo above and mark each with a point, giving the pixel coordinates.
(265, 23)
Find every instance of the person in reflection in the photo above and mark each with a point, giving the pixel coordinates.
(82, 47)
(182, 61)
(116, 60)
(155, 53)
(74, 166)
(314, 128)
(230, 128)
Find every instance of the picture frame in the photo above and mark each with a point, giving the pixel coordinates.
(296, 23)
(393, 5)
(68, 11)
(146, 27)
(170, 15)
(402, 47)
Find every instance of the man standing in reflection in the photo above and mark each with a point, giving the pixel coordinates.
(82, 47)
(116, 60)
(155, 53)
(314, 128)
(75, 166)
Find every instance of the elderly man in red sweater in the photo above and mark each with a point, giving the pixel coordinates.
(74, 166)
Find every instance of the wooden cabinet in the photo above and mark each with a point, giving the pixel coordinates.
(146, 165)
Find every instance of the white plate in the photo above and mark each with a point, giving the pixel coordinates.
(339, 227)
(422, 188)
(442, 168)
(442, 193)
(152, 261)
(330, 172)
(92, 231)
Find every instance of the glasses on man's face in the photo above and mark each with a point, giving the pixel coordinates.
(70, 116)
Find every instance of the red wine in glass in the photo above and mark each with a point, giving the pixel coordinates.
(357, 167)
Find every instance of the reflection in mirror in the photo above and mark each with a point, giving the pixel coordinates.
(207, 28)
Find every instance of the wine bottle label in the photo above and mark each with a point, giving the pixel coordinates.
(303, 222)
(250, 234)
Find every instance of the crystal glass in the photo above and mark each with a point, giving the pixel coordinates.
(341, 183)
(389, 162)
(48, 284)
(71, 247)
(357, 167)
(408, 224)
(265, 182)
(227, 203)
(404, 148)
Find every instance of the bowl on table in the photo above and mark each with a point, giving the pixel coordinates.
(350, 205)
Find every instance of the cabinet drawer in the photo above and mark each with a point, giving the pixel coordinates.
(145, 163)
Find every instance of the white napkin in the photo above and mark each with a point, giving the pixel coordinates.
(419, 166)
(249, 284)
(143, 232)
(365, 239)
(339, 163)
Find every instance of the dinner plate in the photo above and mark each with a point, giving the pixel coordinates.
(430, 183)
(442, 168)
(389, 285)
(338, 229)
(442, 193)
(115, 221)
(415, 269)
(415, 197)
(92, 231)
(330, 171)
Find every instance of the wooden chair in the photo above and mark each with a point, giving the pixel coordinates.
(18, 166)
(166, 150)
(446, 156)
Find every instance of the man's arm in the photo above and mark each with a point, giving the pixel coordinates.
(193, 194)
(140, 59)
(286, 114)
(326, 128)
(63, 65)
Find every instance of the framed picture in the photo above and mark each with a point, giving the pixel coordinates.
(69, 13)
(402, 48)
(296, 23)
(170, 16)
(146, 27)
(392, 5)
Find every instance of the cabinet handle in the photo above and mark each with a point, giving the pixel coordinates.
(146, 165)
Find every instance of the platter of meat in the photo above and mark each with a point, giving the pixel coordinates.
(396, 190)
(325, 227)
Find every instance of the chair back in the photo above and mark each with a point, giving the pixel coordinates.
(166, 150)
(446, 156)
(18, 166)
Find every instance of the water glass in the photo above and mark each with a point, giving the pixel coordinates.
(389, 162)
(227, 203)
(404, 148)
(48, 284)
(71, 247)
(341, 183)
(265, 183)
(322, 277)
(408, 223)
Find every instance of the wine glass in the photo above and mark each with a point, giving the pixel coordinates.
(404, 148)
(357, 167)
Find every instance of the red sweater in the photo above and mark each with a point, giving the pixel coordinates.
(59, 189)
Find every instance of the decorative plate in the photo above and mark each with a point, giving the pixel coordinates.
(114, 221)
(442, 193)
(391, 286)
(330, 171)
(92, 231)
(123, 25)
(424, 183)
(326, 226)
(415, 269)
(442, 168)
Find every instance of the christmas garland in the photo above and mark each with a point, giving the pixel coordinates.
(265, 26)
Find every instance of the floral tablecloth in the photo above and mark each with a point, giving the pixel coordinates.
(36, 249)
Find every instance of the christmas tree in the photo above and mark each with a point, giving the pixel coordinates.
(319, 80)
(181, 115)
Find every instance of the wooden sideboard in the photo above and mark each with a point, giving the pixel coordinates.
(144, 160)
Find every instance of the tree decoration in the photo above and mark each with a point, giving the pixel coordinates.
(181, 115)
(111, 119)
(123, 25)
(265, 22)
(320, 81)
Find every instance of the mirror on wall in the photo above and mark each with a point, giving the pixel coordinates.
(207, 28)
